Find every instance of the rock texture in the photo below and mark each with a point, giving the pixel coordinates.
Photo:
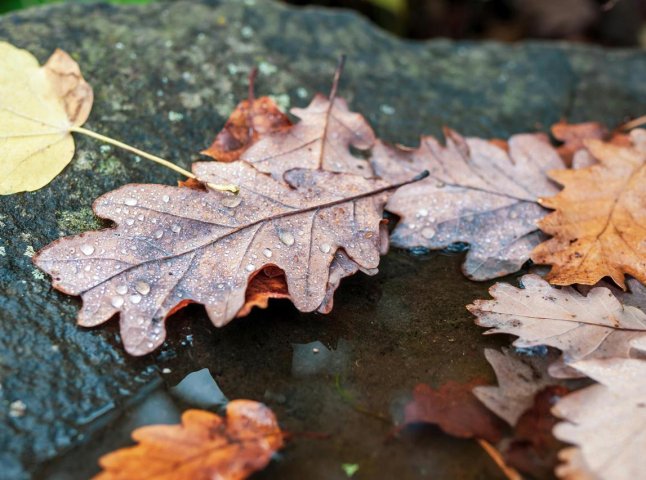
(166, 76)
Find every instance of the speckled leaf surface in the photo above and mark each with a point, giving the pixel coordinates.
(175, 245)
(477, 193)
(166, 76)
(582, 327)
(320, 140)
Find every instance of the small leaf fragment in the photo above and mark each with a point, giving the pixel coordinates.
(38, 108)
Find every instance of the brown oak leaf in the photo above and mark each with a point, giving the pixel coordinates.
(582, 327)
(320, 140)
(477, 193)
(172, 246)
(599, 223)
(204, 447)
(454, 409)
(251, 120)
(573, 136)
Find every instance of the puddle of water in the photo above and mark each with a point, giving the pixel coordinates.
(347, 375)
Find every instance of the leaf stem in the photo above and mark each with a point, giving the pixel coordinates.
(84, 131)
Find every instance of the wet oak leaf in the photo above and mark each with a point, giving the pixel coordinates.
(520, 377)
(204, 446)
(599, 223)
(320, 140)
(477, 193)
(583, 327)
(38, 107)
(454, 409)
(250, 121)
(172, 246)
(606, 422)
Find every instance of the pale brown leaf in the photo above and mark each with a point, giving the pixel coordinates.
(477, 193)
(606, 422)
(582, 327)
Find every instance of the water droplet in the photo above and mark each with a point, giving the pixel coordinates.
(166, 198)
(122, 289)
(325, 248)
(117, 301)
(158, 234)
(140, 218)
(422, 212)
(150, 345)
(142, 287)
(267, 252)
(231, 201)
(87, 268)
(287, 238)
(87, 249)
(250, 267)
(428, 233)
(135, 298)
(513, 214)
(440, 184)
(130, 221)
(131, 202)
(176, 228)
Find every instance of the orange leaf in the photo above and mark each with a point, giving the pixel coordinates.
(205, 446)
(599, 225)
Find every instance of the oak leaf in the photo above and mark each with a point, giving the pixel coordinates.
(606, 422)
(454, 409)
(520, 378)
(173, 246)
(251, 120)
(38, 108)
(204, 447)
(477, 193)
(573, 136)
(582, 327)
(599, 225)
(320, 140)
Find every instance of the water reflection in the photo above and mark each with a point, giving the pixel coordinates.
(199, 389)
(314, 358)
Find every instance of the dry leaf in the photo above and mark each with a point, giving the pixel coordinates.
(251, 120)
(573, 135)
(38, 107)
(320, 140)
(599, 225)
(454, 409)
(533, 449)
(607, 422)
(582, 327)
(519, 379)
(204, 447)
(477, 193)
(172, 246)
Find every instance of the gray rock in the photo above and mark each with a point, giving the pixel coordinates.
(166, 76)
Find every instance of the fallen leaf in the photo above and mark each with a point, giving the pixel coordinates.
(599, 224)
(38, 108)
(477, 193)
(454, 409)
(582, 327)
(573, 136)
(251, 120)
(172, 246)
(533, 449)
(204, 447)
(520, 377)
(320, 140)
(606, 422)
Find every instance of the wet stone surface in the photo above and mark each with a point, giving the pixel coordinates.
(165, 77)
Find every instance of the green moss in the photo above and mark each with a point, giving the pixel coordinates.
(76, 221)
